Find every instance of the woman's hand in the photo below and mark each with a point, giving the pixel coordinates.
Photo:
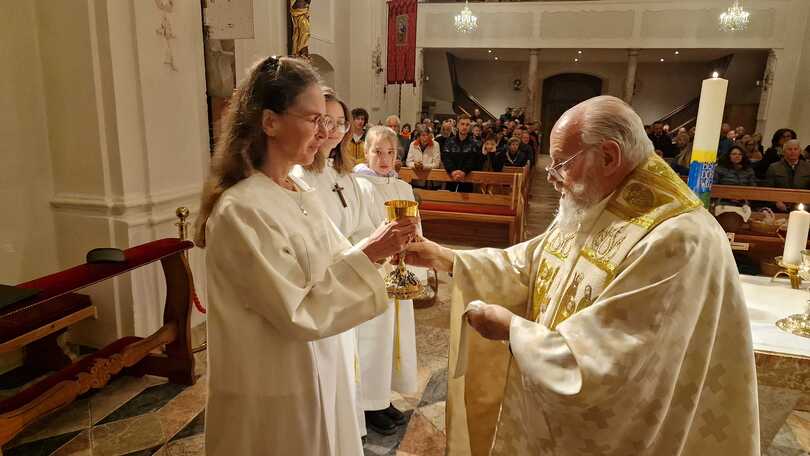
(389, 239)
(429, 254)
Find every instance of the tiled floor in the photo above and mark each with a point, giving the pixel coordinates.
(145, 416)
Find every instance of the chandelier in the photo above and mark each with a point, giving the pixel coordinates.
(735, 18)
(466, 22)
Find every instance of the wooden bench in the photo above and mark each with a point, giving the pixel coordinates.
(763, 247)
(166, 353)
(477, 211)
(526, 172)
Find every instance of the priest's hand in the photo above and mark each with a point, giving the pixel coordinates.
(491, 321)
(389, 239)
(429, 254)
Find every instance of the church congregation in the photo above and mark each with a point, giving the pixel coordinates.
(401, 227)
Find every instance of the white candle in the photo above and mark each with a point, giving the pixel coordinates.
(707, 132)
(709, 119)
(796, 239)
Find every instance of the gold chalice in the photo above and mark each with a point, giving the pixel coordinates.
(402, 283)
(799, 324)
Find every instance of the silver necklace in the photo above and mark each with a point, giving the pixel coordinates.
(300, 201)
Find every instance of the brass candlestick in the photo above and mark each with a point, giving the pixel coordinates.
(402, 283)
(789, 270)
(797, 324)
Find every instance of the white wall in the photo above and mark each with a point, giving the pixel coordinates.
(438, 87)
(491, 83)
(128, 142)
(27, 234)
(745, 70)
(801, 106)
(662, 87)
(269, 35)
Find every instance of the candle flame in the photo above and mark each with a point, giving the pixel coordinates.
(800, 207)
(715, 75)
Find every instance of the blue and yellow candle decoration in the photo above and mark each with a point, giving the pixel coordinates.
(707, 136)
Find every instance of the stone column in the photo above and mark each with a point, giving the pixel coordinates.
(765, 92)
(630, 79)
(533, 96)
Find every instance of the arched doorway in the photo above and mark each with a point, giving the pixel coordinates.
(560, 93)
(325, 69)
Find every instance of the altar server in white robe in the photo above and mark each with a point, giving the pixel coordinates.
(345, 199)
(626, 325)
(387, 344)
(281, 279)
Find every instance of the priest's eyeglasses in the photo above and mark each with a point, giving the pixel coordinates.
(554, 171)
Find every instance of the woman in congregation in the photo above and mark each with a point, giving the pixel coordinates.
(385, 367)
(733, 168)
(281, 279)
(747, 144)
(423, 155)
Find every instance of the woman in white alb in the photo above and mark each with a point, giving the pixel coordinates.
(281, 279)
(345, 200)
(385, 367)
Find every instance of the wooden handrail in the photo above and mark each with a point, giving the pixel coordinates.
(84, 275)
(474, 177)
(466, 198)
(739, 192)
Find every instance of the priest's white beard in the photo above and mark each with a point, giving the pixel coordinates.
(579, 198)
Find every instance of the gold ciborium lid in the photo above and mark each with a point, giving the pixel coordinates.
(397, 209)
(403, 284)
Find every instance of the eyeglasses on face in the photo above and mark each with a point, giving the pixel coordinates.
(317, 121)
(554, 171)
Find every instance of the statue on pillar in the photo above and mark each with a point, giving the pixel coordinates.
(299, 27)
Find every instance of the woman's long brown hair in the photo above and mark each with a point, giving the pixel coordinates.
(274, 84)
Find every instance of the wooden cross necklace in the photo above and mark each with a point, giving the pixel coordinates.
(339, 190)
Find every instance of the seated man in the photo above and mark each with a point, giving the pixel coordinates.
(790, 171)
(626, 325)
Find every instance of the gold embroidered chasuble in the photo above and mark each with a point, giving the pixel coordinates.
(575, 293)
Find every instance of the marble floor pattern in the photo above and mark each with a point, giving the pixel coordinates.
(148, 417)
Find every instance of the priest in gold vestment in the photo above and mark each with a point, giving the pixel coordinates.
(620, 331)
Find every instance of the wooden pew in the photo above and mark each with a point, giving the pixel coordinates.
(166, 353)
(472, 209)
(526, 172)
(764, 247)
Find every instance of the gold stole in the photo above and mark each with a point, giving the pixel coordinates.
(651, 194)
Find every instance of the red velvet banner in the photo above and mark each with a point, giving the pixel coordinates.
(401, 41)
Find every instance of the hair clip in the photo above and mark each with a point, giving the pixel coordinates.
(270, 65)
